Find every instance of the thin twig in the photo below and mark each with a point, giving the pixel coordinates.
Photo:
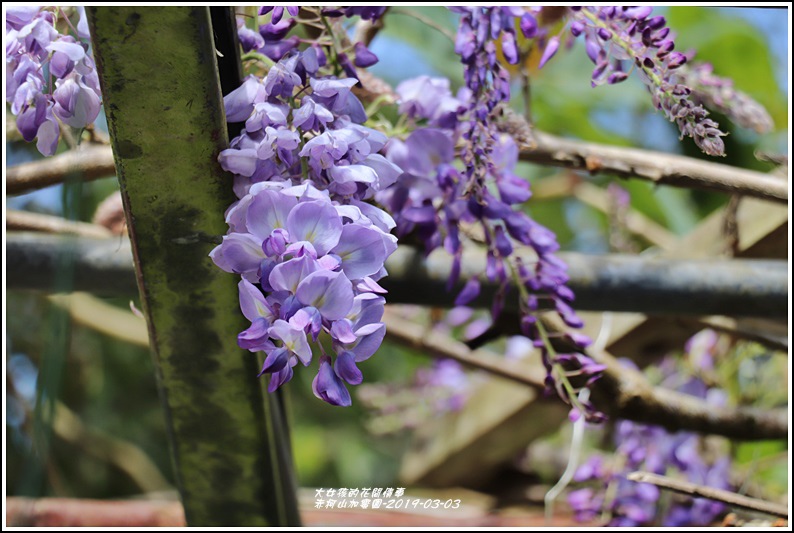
(658, 167)
(691, 489)
(622, 392)
(90, 163)
(434, 344)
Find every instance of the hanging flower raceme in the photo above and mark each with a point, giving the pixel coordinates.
(307, 245)
(51, 78)
(435, 198)
(653, 449)
(619, 38)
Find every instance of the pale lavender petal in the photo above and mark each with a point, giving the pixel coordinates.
(342, 331)
(551, 49)
(268, 210)
(353, 173)
(76, 104)
(253, 303)
(241, 252)
(256, 337)
(361, 251)
(287, 276)
(369, 285)
(240, 102)
(330, 292)
(316, 222)
(82, 24)
(368, 345)
(73, 51)
(293, 338)
(48, 135)
(380, 218)
(242, 162)
(386, 171)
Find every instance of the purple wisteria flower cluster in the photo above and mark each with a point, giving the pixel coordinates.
(308, 246)
(653, 449)
(50, 77)
(719, 94)
(437, 200)
(271, 39)
(618, 38)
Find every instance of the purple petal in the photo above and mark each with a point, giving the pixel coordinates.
(469, 292)
(361, 251)
(364, 58)
(369, 344)
(287, 276)
(241, 252)
(345, 367)
(268, 211)
(328, 387)
(509, 47)
(276, 360)
(240, 102)
(316, 222)
(281, 377)
(342, 331)
(253, 303)
(256, 337)
(330, 292)
(551, 49)
(76, 104)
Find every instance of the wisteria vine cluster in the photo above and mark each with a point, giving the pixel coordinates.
(612, 498)
(50, 76)
(307, 236)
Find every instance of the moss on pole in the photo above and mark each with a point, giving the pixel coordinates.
(162, 97)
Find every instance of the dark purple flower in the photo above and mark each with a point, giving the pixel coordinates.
(364, 58)
(328, 386)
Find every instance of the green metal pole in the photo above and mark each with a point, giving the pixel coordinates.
(161, 93)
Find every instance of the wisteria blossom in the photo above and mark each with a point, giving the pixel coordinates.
(309, 249)
(654, 449)
(51, 78)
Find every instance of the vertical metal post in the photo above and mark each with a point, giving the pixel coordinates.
(161, 92)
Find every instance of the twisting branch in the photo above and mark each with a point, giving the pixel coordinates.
(418, 337)
(658, 167)
(621, 392)
(90, 163)
(625, 393)
(691, 489)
